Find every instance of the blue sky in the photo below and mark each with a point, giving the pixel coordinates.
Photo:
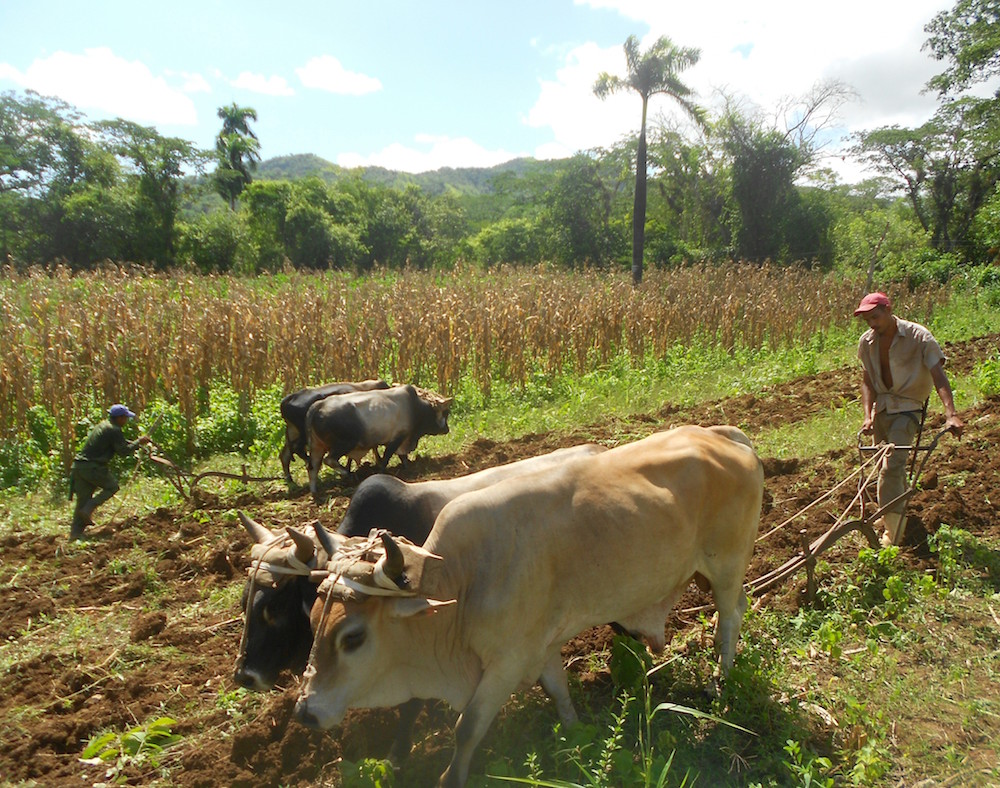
(417, 85)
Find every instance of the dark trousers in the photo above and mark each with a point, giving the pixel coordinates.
(88, 477)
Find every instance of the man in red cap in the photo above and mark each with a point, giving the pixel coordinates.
(902, 362)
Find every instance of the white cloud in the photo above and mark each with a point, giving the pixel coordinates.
(326, 73)
(568, 106)
(763, 53)
(258, 83)
(771, 52)
(191, 83)
(430, 153)
(553, 150)
(99, 79)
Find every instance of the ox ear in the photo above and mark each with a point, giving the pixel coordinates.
(406, 607)
(422, 568)
(305, 549)
(259, 533)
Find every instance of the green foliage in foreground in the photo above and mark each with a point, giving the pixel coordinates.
(140, 746)
(988, 376)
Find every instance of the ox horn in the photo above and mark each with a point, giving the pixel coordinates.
(304, 547)
(259, 533)
(393, 562)
(325, 538)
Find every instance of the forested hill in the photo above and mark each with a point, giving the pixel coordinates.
(464, 180)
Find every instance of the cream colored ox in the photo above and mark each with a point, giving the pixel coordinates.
(512, 572)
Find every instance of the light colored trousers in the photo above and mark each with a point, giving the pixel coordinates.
(899, 429)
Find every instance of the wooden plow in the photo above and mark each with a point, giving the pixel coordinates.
(185, 482)
(870, 458)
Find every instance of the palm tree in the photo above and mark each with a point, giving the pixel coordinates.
(238, 150)
(650, 73)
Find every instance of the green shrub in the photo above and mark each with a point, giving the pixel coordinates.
(807, 769)
(28, 459)
(517, 240)
(986, 225)
(368, 773)
(921, 267)
(22, 465)
(987, 375)
(964, 561)
(269, 431)
(226, 426)
(168, 428)
(140, 746)
(217, 242)
(43, 429)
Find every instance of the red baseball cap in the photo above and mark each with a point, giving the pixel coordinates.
(870, 301)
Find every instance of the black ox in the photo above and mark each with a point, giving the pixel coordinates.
(294, 408)
(351, 425)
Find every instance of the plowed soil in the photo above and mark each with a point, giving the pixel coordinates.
(197, 550)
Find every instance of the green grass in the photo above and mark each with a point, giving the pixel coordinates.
(835, 428)
(626, 388)
(898, 695)
(221, 601)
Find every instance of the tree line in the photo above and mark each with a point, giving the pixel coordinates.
(735, 183)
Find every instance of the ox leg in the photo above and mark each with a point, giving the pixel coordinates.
(317, 452)
(403, 742)
(286, 460)
(556, 686)
(390, 449)
(731, 603)
(475, 719)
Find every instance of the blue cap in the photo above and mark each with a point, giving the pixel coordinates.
(120, 410)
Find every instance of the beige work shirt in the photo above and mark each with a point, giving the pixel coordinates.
(914, 352)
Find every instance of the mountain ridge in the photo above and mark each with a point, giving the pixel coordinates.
(458, 180)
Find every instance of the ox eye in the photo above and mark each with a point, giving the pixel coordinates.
(269, 618)
(352, 640)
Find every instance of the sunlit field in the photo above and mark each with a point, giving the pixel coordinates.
(71, 344)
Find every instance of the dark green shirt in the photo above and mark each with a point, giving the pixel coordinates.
(104, 442)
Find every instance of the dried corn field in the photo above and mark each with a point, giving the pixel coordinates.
(71, 343)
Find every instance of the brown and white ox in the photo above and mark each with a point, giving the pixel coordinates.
(512, 572)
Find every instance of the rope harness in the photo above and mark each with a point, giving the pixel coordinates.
(876, 458)
(347, 556)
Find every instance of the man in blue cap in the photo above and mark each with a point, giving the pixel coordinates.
(90, 469)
